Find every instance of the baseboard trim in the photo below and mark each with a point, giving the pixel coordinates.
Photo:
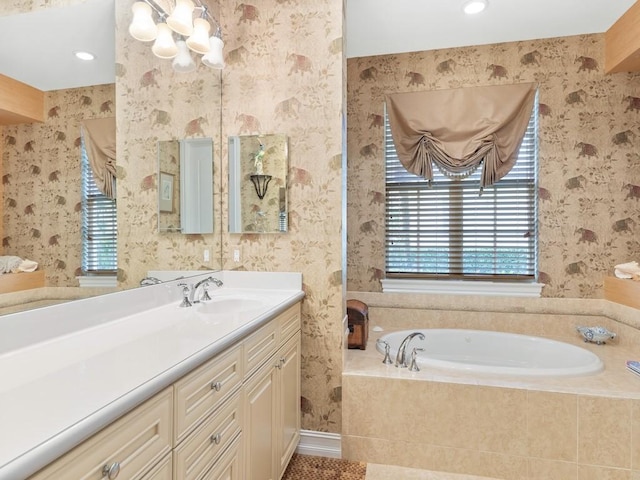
(320, 444)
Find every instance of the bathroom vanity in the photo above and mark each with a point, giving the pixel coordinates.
(204, 392)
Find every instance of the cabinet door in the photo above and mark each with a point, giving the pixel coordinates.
(230, 465)
(260, 423)
(288, 401)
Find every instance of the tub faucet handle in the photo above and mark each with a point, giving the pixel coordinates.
(387, 358)
(414, 366)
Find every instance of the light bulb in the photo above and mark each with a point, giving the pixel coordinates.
(214, 58)
(181, 19)
(164, 46)
(199, 39)
(142, 26)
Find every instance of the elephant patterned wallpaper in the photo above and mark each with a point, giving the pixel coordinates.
(589, 152)
(284, 74)
(41, 180)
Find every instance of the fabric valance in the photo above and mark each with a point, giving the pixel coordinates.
(461, 129)
(99, 136)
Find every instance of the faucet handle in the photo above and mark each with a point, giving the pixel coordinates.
(185, 295)
(414, 353)
(387, 358)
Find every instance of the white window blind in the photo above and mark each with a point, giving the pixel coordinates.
(449, 230)
(99, 226)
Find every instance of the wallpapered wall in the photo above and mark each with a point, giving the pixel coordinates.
(41, 179)
(589, 140)
(284, 74)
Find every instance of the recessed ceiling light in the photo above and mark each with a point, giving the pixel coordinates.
(474, 6)
(84, 55)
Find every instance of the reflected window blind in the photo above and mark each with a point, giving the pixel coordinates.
(448, 230)
(99, 226)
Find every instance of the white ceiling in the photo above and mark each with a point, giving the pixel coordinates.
(377, 27)
(37, 48)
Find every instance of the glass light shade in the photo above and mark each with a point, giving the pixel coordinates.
(199, 39)
(214, 58)
(142, 26)
(181, 19)
(164, 46)
(183, 62)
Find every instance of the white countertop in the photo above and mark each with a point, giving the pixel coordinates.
(60, 390)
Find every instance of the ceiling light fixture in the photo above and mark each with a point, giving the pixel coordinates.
(176, 32)
(474, 6)
(82, 55)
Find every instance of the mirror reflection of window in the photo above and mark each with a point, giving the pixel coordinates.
(258, 166)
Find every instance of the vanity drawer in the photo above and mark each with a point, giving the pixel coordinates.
(134, 444)
(230, 465)
(289, 322)
(201, 392)
(259, 346)
(200, 450)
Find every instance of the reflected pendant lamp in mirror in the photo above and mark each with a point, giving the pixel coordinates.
(183, 61)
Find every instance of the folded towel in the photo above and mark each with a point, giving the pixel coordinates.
(28, 266)
(627, 270)
(9, 263)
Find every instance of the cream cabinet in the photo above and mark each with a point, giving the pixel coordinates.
(272, 406)
(126, 449)
(236, 417)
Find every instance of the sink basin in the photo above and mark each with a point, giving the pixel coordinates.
(231, 305)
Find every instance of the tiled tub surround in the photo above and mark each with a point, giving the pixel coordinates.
(585, 428)
(71, 369)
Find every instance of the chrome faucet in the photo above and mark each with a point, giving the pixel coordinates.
(150, 281)
(193, 298)
(401, 356)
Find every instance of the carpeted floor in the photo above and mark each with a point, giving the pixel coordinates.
(304, 467)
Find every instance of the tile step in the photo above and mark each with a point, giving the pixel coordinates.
(392, 472)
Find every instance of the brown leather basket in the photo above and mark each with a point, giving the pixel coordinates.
(358, 319)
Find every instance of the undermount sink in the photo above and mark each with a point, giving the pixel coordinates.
(230, 304)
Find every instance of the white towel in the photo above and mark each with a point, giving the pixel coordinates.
(28, 266)
(9, 263)
(627, 270)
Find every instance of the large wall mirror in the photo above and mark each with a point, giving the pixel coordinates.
(258, 166)
(185, 186)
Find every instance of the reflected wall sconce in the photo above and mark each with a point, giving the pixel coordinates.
(260, 183)
(177, 33)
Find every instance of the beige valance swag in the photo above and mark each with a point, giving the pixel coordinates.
(460, 129)
(99, 136)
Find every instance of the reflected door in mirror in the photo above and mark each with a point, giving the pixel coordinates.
(185, 186)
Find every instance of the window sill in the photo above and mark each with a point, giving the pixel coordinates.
(461, 287)
(98, 281)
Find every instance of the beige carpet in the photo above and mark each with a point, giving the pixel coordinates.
(304, 467)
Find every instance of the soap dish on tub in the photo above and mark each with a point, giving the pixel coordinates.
(597, 335)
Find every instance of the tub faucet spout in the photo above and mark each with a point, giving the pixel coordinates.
(401, 356)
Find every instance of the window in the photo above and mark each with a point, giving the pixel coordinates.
(99, 226)
(448, 230)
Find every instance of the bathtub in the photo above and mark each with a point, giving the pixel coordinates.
(478, 351)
